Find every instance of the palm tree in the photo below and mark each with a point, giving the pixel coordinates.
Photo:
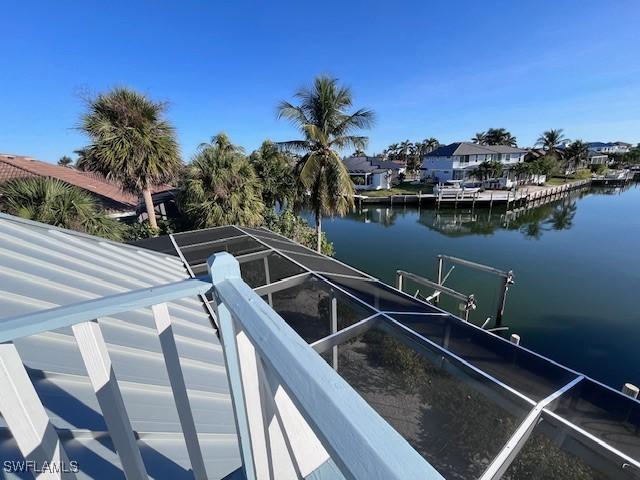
(326, 125)
(359, 153)
(391, 152)
(430, 144)
(488, 169)
(425, 147)
(499, 136)
(131, 142)
(551, 140)
(522, 170)
(577, 153)
(220, 187)
(65, 161)
(54, 202)
(222, 142)
(404, 151)
(480, 138)
(274, 168)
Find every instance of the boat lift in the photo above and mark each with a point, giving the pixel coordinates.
(469, 300)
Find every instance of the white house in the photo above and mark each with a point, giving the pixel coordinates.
(372, 173)
(609, 147)
(457, 160)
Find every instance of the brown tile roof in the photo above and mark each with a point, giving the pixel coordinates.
(111, 192)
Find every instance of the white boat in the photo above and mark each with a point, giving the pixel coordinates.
(454, 187)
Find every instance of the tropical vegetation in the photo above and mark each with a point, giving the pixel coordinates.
(575, 155)
(220, 187)
(488, 169)
(495, 136)
(552, 140)
(54, 202)
(274, 168)
(131, 142)
(326, 124)
(296, 228)
(409, 153)
(65, 161)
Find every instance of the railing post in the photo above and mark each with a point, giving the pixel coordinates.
(334, 329)
(222, 267)
(179, 389)
(98, 363)
(26, 417)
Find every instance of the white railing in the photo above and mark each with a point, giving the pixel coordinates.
(294, 414)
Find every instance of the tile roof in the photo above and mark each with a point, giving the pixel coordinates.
(111, 192)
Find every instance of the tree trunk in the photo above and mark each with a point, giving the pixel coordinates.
(151, 213)
(319, 231)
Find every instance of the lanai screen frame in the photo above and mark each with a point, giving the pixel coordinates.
(386, 319)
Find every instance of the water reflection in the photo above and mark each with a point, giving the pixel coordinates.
(531, 221)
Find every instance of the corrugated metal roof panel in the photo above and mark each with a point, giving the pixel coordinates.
(42, 267)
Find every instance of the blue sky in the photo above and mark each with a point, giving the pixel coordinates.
(446, 69)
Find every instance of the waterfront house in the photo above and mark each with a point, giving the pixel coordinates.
(233, 352)
(109, 194)
(458, 160)
(609, 147)
(373, 173)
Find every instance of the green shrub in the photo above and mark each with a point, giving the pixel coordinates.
(139, 231)
(358, 180)
(296, 228)
(582, 174)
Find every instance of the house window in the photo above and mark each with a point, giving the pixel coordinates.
(464, 158)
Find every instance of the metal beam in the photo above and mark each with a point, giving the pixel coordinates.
(509, 452)
(345, 334)
(438, 287)
(282, 284)
(477, 266)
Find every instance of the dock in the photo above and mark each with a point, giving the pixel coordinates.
(617, 178)
(512, 199)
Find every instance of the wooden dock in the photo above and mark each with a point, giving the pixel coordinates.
(488, 198)
(606, 180)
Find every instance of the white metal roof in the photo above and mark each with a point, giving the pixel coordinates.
(42, 267)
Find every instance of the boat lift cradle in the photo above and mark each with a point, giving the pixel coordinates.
(470, 302)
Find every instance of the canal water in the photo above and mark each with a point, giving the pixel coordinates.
(576, 297)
